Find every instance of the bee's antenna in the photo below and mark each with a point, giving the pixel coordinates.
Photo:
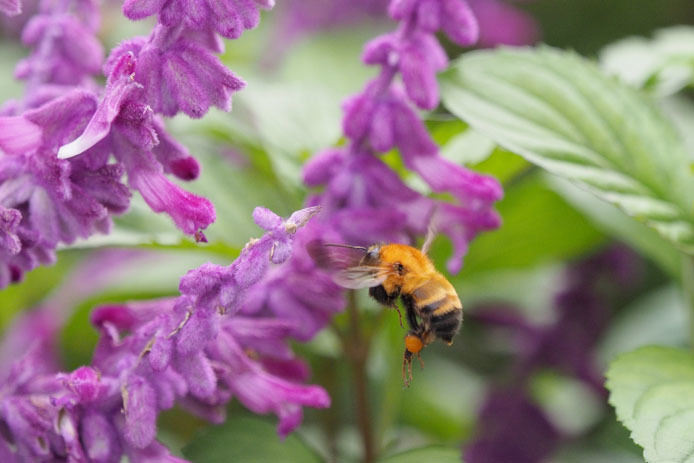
(361, 248)
(431, 234)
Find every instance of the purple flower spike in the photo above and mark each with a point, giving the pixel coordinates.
(58, 180)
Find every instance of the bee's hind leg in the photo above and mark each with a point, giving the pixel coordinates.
(421, 362)
(406, 367)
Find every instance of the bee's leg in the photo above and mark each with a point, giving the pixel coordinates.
(412, 318)
(399, 315)
(421, 362)
(409, 369)
(413, 345)
(406, 363)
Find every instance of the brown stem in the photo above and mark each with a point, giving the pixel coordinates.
(357, 349)
(327, 377)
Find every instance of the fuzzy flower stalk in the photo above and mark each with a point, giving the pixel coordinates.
(198, 351)
(66, 148)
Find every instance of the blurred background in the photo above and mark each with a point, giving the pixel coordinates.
(549, 298)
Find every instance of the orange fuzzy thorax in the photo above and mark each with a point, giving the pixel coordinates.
(419, 267)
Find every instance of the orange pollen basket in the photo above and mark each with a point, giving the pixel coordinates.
(413, 343)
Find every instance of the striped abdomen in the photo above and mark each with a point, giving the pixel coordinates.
(440, 309)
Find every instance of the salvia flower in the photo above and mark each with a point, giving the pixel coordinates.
(384, 116)
(196, 350)
(67, 148)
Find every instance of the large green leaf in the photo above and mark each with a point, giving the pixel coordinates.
(245, 439)
(652, 389)
(560, 112)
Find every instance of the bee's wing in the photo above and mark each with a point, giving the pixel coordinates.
(360, 277)
(335, 257)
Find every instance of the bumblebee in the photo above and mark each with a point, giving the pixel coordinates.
(393, 271)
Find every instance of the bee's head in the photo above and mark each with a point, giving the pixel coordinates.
(373, 255)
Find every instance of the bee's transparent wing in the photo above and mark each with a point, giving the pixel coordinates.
(360, 277)
(333, 256)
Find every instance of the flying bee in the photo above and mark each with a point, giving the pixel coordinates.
(393, 271)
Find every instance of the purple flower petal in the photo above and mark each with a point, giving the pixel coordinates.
(323, 166)
(502, 24)
(85, 382)
(302, 216)
(358, 113)
(280, 251)
(252, 264)
(459, 22)
(153, 453)
(160, 355)
(429, 15)
(64, 118)
(139, 9)
(266, 219)
(185, 77)
(120, 87)
(262, 392)
(401, 9)
(18, 135)
(197, 331)
(139, 401)
(197, 371)
(174, 156)
(100, 438)
(188, 211)
(10, 8)
(9, 224)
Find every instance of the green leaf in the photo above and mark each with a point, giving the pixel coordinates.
(558, 111)
(615, 222)
(663, 64)
(432, 454)
(244, 439)
(652, 390)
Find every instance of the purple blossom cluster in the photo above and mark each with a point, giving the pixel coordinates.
(66, 147)
(198, 350)
(511, 426)
(365, 201)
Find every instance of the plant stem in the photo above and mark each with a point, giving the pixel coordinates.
(357, 349)
(688, 287)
